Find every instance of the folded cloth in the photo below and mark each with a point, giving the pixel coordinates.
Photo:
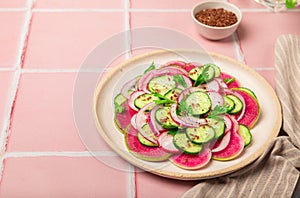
(276, 172)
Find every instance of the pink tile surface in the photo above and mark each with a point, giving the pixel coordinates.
(43, 115)
(5, 90)
(47, 153)
(247, 4)
(182, 23)
(10, 37)
(167, 4)
(259, 31)
(94, 4)
(13, 4)
(61, 177)
(67, 38)
(149, 185)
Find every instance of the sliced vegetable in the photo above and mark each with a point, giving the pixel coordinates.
(201, 134)
(183, 143)
(199, 102)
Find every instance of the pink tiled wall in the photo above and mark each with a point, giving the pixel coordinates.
(43, 46)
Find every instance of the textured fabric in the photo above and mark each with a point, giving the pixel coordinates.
(276, 172)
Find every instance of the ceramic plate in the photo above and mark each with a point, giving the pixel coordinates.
(266, 129)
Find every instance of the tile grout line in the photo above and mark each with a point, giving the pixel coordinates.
(131, 186)
(14, 88)
(21, 154)
(237, 46)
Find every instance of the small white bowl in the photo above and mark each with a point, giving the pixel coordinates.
(211, 32)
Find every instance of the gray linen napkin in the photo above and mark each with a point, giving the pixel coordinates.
(276, 172)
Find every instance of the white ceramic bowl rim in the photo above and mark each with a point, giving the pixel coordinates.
(235, 10)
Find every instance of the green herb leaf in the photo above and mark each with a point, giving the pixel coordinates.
(151, 67)
(184, 109)
(202, 78)
(119, 108)
(180, 80)
(172, 132)
(217, 111)
(228, 80)
(162, 99)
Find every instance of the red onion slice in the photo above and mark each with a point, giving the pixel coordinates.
(190, 121)
(128, 86)
(223, 143)
(188, 91)
(132, 97)
(228, 123)
(155, 127)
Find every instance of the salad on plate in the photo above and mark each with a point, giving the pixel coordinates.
(187, 113)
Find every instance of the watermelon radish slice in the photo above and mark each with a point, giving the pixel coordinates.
(123, 120)
(252, 110)
(143, 152)
(192, 161)
(233, 84)
(234, 147)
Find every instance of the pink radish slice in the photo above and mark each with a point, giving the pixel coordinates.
(128, 86)
(216, 98)
(228, 123)
(165, 140)
(223, 143)
(155, 127)
(213, 86)
(132, 97)
(141, 121)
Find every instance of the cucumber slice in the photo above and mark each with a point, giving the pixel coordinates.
(144, 99)
(163, 117)
(216, 68)
(194, 73)
(218, 125)
(173, 94)
(238, 105)
(200, 134)
(143, 140)
(119, 99)
(229, 103)
(244, 131)
(199, 102)
(183, 143)
(161, 84)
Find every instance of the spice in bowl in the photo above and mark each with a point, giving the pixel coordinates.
(216, 17)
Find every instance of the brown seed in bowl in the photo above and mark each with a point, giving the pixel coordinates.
(217, 17)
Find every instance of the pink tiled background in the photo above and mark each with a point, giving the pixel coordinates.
(43, 46)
